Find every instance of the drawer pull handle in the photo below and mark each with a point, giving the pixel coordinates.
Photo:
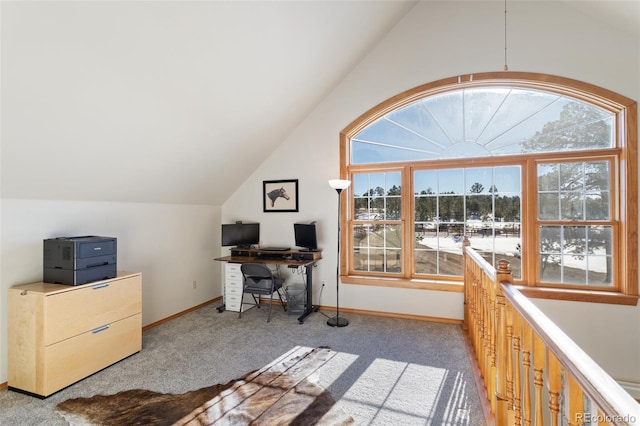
(99, 286)
(99, 329)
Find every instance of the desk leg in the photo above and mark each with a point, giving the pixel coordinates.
(309, 305)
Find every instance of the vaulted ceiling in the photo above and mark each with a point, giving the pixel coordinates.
(156, 101)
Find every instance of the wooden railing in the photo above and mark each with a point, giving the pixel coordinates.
(533, 373)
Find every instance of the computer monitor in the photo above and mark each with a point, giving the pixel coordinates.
(240, 234)
(305, 236)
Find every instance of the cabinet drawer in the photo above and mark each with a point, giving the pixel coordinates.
(235, 276)
(234, 284)
(71, 313)
(73, 359)
(233, 267)
(232, 298)
(233, 290)
(234, 306)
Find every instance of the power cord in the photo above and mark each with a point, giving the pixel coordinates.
(317, 308)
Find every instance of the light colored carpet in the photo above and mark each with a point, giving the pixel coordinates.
(385, 371)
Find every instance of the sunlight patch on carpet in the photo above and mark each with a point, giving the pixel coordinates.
(392, 392)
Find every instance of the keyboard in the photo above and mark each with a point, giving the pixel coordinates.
(275, 248)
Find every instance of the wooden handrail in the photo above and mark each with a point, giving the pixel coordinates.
(521, 354)
(603, 390)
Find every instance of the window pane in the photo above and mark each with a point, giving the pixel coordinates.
(571, 206)
(451, 181)
(377, 248)
(426, 262)
(507, 208)
(439, 254)
(548, 179)
(377, 196)
(574, 191)
(548, 206)
(426, 208)
(483, 122)
(489, 217)
(501, 242)
(425, 182)
(597, 190)
(451, 208)
(576, 255)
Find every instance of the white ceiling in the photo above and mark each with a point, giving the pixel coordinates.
(179, 95)
(624, 15)
(176, 95)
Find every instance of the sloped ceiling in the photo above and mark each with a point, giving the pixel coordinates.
(176, 102)
(624, 15)
(166, 101)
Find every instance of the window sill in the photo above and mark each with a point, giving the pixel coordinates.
(440, 285)
(533, 292)
(579, 295)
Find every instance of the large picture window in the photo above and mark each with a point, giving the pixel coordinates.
(535, 169)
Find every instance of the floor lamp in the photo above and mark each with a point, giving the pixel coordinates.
(338, 185)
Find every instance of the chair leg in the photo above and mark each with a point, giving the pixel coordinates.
(256, 301)
(284, 305)
(270, 306)
(241, 300)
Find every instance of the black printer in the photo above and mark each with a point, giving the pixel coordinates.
(79, 260)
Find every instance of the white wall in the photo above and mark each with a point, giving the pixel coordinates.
(172, 245)
(598, 328)
(437, 40)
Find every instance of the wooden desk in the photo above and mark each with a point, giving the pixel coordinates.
(289, 258)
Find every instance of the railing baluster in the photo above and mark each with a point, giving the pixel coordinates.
(576, 403)
(516, 384)
(538, 381)
(491, 336)
(554, 375)
(527, 348)
(602, 419)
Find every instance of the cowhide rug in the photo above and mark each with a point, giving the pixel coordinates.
(281, 393)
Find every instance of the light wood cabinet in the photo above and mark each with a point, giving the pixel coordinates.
(59, 334)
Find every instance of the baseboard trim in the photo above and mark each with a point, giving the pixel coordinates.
(4, 386)
(394, 315)
(325, 308)
(379, 313)
(179, 314)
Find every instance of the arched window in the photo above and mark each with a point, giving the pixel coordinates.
(537, 169)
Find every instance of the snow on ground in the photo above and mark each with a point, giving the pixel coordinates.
(507, 245)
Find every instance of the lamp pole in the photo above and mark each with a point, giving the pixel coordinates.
(338, 185)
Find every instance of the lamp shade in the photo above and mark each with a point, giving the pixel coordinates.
(339, 183)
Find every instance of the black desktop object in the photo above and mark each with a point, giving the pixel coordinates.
(240, 235)
(79, 260)
(305, 236)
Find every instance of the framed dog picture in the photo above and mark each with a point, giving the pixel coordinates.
(280, 195)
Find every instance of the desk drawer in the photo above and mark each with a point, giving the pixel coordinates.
(232, 302)
(232, 289)
(233, 267)
(233, 276)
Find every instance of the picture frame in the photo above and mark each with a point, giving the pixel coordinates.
(280, 195)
